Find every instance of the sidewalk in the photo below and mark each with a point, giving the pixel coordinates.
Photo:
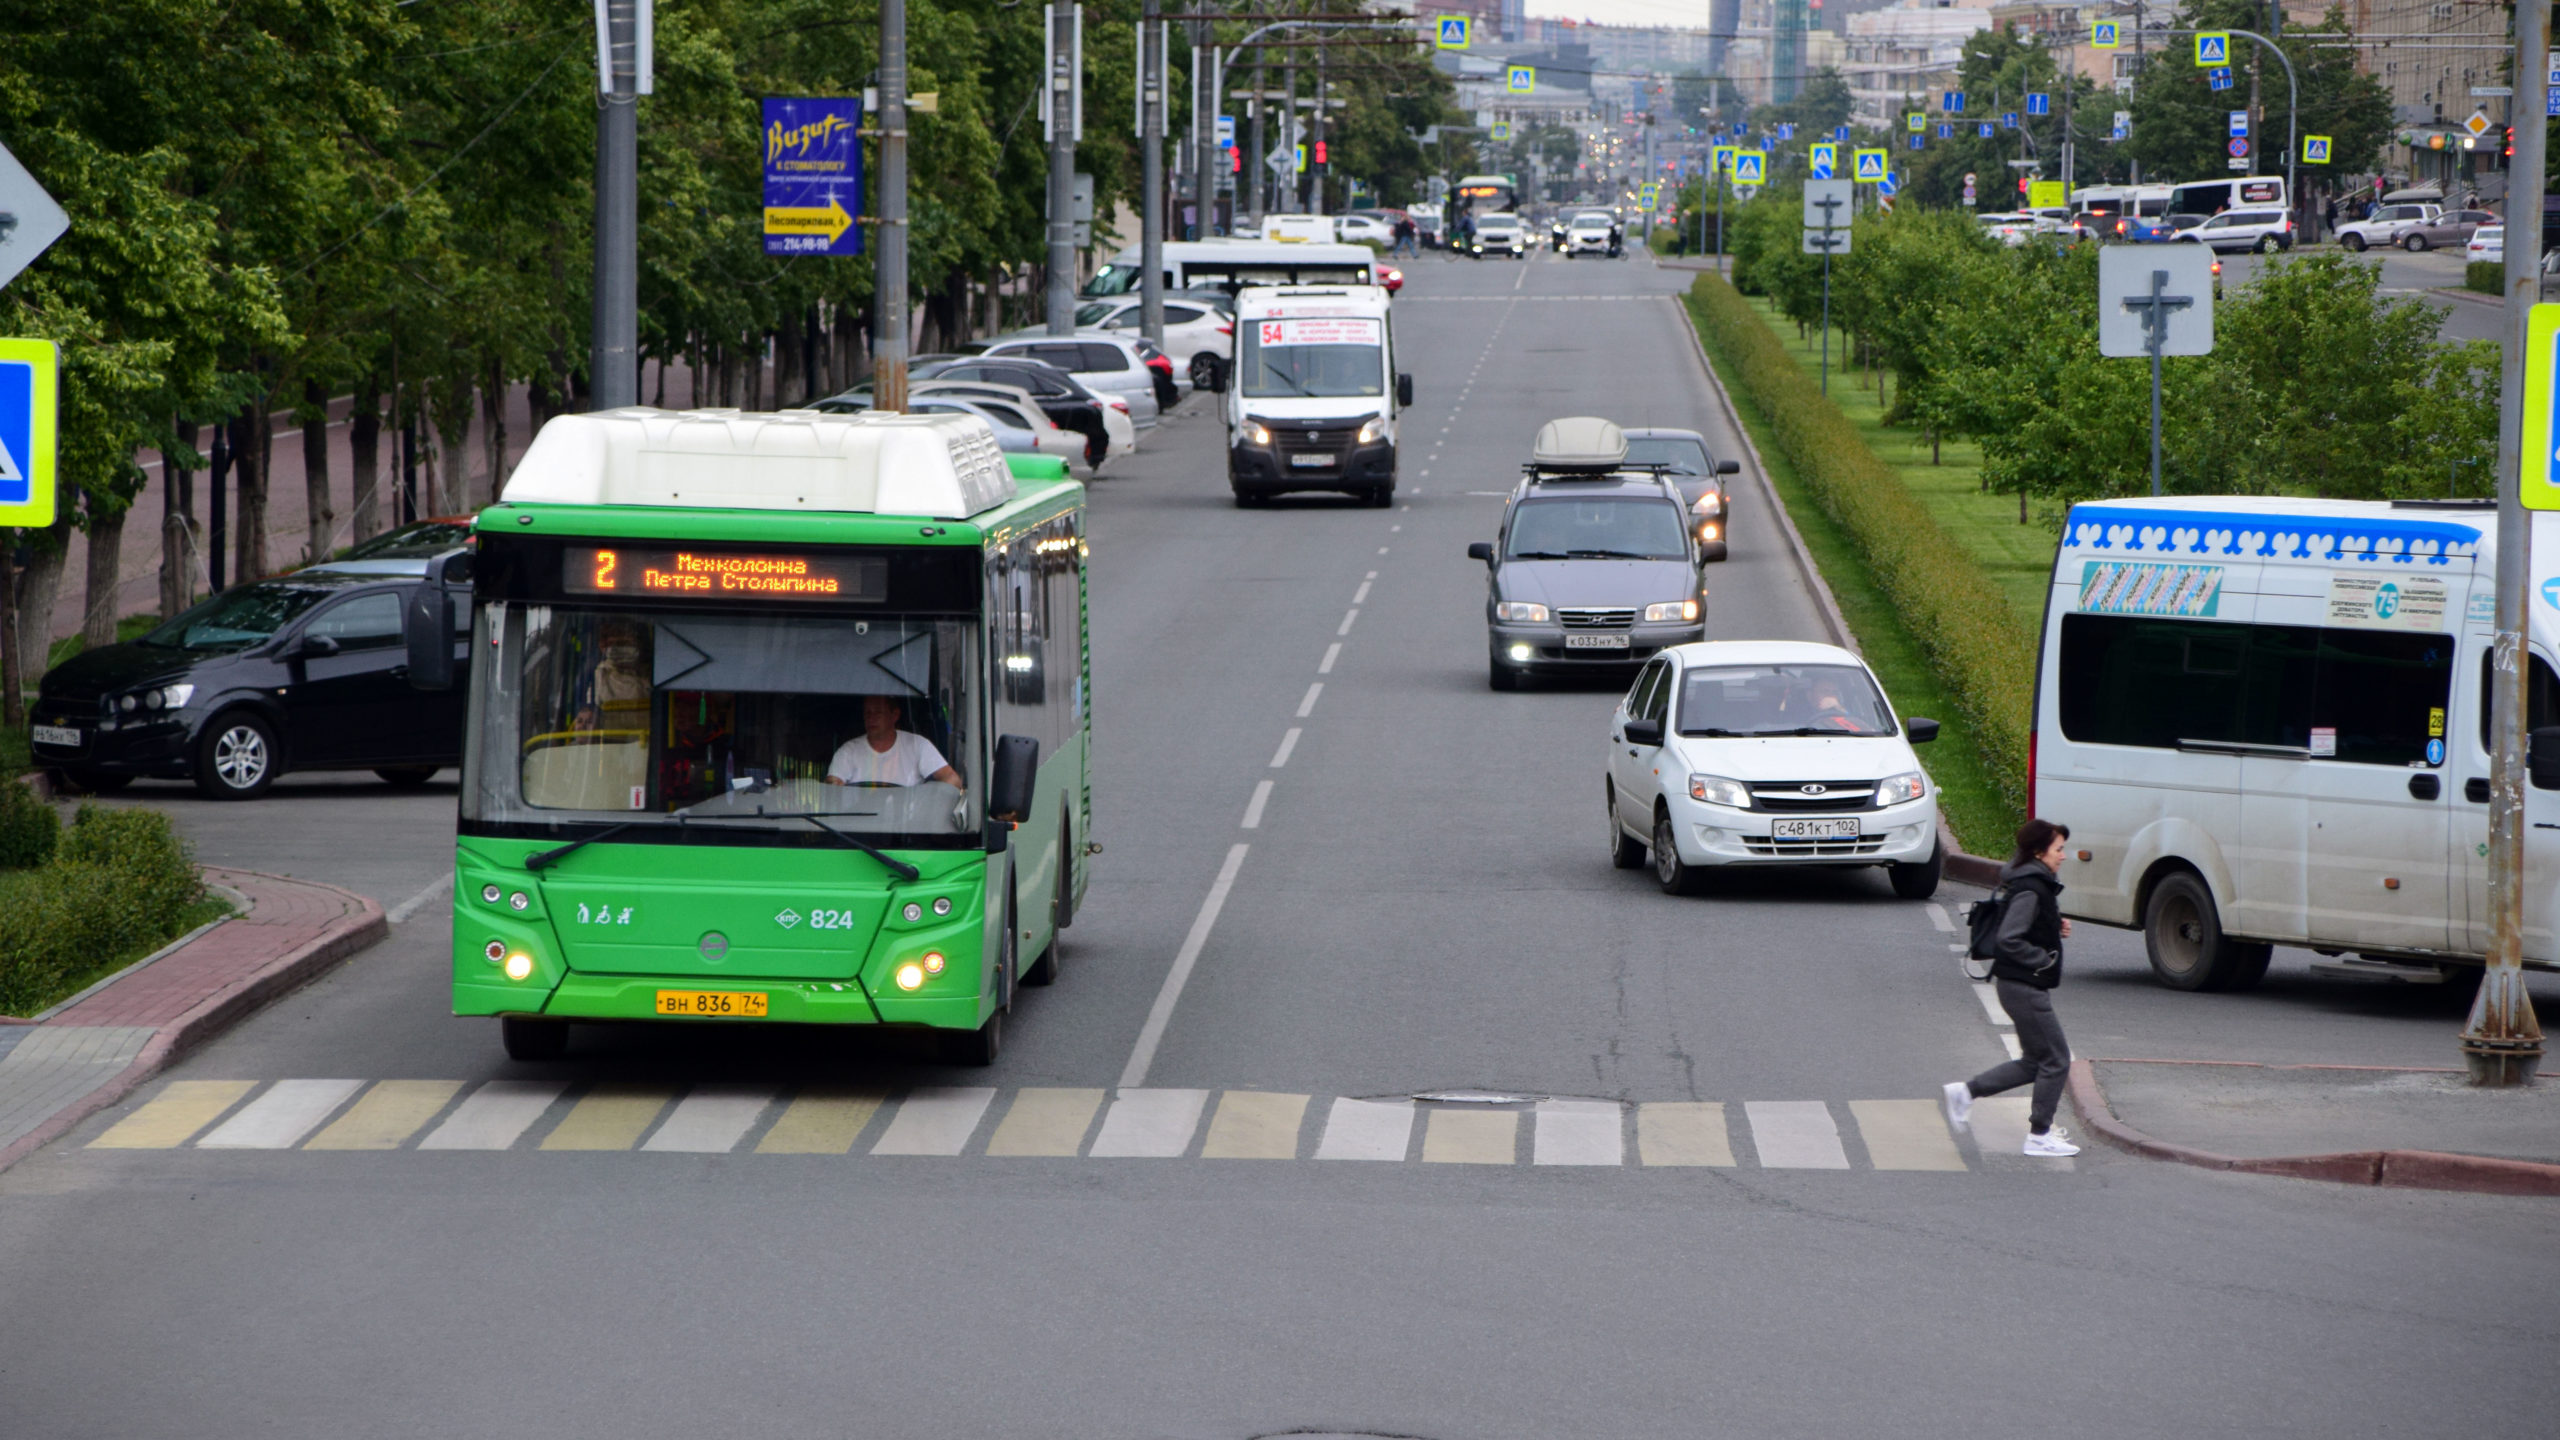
(93, 1049)
(2423, 1129)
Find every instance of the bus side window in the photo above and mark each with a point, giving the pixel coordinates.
(2542, 696)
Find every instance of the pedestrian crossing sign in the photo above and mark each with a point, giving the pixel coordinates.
(2102, 35)
(1724, 157)
(1501, 129)
(1871, 165)
(1524, 78)
(29, 370)
(2315, 149)
(1826, 158)
(1453, 32)
(1915, 122)
(2213, 48)
(1750, 166)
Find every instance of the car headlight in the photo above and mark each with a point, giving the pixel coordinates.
(1894, 790)
(1374, 431)
(1717, 790)
(1709, 531)
(1672, 610)
(1254, 434)
(168, 697)
(1520, 612)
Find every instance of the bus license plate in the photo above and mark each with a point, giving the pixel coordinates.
(1814, 829)
(55, 735)
(1312, 462)
(1595, 642)
(732, 1004)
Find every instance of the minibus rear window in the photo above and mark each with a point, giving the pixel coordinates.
(2374, 697)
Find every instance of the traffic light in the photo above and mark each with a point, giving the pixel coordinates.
(2511, 142)
(2022, 184)
(1319, 152)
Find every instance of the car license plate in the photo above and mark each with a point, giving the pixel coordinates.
(1312, 462)
(1595, 642)
(733, 1004)
(55, 734)
(1846, 829)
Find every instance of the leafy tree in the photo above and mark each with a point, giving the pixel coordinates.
(2180, 123)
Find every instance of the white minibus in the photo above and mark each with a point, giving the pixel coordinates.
(1228, 264)
(2264, 721)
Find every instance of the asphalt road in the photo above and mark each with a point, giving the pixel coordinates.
(1419, 906)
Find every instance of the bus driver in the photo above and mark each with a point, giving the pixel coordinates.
(883, 754)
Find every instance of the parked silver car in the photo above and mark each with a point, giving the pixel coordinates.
(1108, 364)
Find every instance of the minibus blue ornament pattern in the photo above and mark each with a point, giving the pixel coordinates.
(2195, 532)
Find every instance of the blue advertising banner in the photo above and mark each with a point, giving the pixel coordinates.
(812, 176)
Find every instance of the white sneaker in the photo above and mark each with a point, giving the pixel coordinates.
(1959, 1104)
(2055, 1142)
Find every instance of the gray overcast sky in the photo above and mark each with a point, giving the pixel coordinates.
(1624, 12)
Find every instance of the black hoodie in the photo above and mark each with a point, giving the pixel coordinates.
(2027, 947)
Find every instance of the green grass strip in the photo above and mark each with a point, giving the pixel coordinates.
(1934, 627)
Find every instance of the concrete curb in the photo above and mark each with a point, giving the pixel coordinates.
(2399, 1169)
(217, 1012)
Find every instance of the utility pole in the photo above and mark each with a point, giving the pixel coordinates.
(1317, 156)
(2133, 168)
(1291, 133)
(1062, 111)
(889, 261)
(1151, 168)
(2502, 1045)
(1254, 173)
(622, 77)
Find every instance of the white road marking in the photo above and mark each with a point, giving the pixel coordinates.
(1579, 1132)
(1372, 575)
(415, 903)
(1939, 917)
(1991, 1005)
(1361, 595)
(1795, 1135)
(1307, 706)
(1382, 549)
(1332, 653)
(2009, 1042)
(1367, 1130)
(1160, 1014)
(1149, 1124)
(1253, 807)
(712, 1119)
(280, 1118)
(1347, 619)
(1392, 529)
(1524, 278)
(936, 1120)
(1288, 743)
(494, 1116)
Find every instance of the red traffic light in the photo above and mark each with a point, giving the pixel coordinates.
(1319, 152)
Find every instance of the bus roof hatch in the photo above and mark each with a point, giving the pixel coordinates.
(942, 467)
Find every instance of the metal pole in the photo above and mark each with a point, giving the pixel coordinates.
(1317, 167)
(1826, 309)
(1255, 173)
(1060, 107)
(613, 365)
(1151, 151)
(2503, 1043)
(2156, 322)
(889, 261)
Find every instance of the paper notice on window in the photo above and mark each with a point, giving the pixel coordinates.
(2119, 587)
(2324, 740)
(1318, 330)
(2371, 601)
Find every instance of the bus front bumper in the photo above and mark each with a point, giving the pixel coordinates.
(629, 997)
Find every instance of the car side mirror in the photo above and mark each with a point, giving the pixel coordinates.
(2542, 757)
(1404, 389)
(1728, 467)
(1017, 766)
(427, 624)
(316, 647)
(1481, 550)
(1644, 732)
(1920, 728)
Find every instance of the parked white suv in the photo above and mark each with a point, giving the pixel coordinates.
(2264, 231)
(1767, 752)
(2389, 225)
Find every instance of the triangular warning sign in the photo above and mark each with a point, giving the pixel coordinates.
(9, 467)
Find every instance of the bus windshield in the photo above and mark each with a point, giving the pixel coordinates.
(1329, 356)
(611, 715)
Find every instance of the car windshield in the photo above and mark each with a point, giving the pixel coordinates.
(426, 538)
(238, 618)
(1089, 316)
(1678, 454)
(1599, 528)
(1326, 356)
(1763, 700)
(605, 714)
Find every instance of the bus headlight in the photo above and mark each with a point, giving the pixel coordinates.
(1910, 785)
(519, 965)
(1717, 790)
(1254, 433)
(1672, 610)
(910, 976)
(1520, 612)
(1374, 431)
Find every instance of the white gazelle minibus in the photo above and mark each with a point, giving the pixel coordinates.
(2265, 722)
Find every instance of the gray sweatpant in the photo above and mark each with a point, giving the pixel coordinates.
(2046, 1059)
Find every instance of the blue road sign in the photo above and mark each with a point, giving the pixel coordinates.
(2315, 149)
(1787, 132)
(1841, 134)
(1946, 132)
(1917, 142)
(2039, 104)
(1886, 184)
(2009, 120)
(1952, 102)
(1749, 166)
(28, 370)
(1453, 32)
(2123, 129)
(2239, 148)
(2239, 124)
(1825, 158)
(2213, 47)
(1523, 79)
(2218, 79)
(2102, 35)
(812, 176)
(1871, 166)
(1985, 129)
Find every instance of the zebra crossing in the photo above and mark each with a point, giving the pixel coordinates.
(1064, 1122)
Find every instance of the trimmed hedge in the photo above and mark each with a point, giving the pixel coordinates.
(1965, 627)
(120, 884)
(2489, 277)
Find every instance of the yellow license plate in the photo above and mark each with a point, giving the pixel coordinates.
(731, 1004)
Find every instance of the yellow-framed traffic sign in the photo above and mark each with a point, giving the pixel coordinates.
(30, 397)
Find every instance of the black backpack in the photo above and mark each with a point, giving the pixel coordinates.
(1982, 919)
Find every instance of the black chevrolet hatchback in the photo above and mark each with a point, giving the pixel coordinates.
(306, 671)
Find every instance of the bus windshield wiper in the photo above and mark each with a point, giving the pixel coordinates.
(545, 859)
(897, 867)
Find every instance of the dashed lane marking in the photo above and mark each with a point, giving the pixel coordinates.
(1332, 653)
(1307, 706)
(1288, 743)
(1253, 807)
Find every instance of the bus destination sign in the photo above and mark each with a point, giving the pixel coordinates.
(722, 575)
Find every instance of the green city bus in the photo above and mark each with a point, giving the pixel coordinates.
(773, 718)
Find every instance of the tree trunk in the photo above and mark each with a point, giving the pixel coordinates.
(178, 521)
(13, 704)
(252, 437)
(789, 385)
(364, 451)
(321, 514)
(453, 446)
(106, 569)
(493, 432)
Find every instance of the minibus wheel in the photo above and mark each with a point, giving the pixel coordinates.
(2182, 932)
